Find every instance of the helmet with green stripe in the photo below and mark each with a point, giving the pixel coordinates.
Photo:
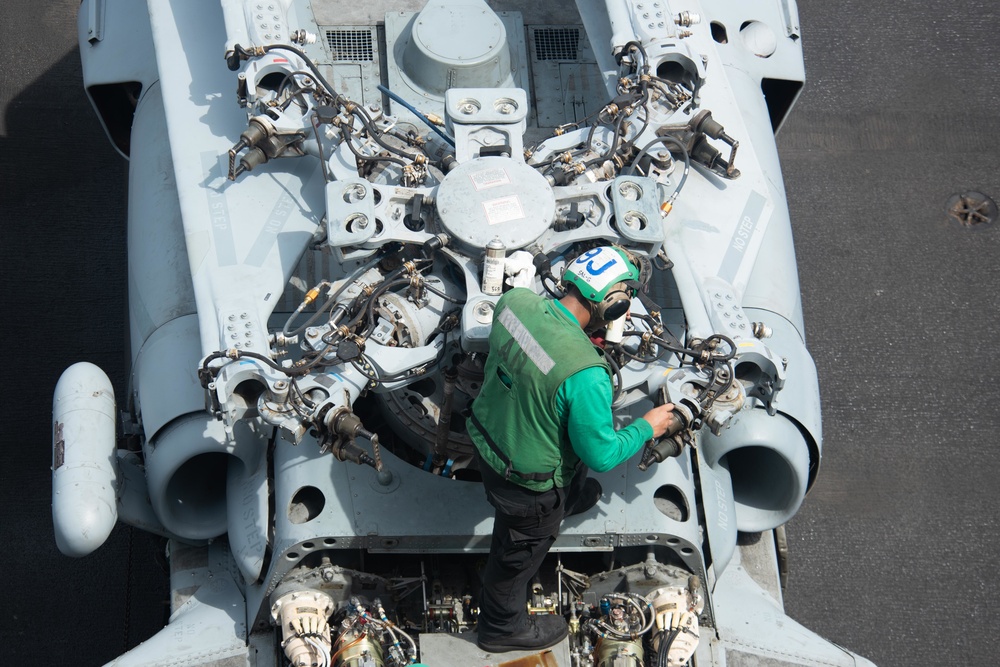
(605, 277)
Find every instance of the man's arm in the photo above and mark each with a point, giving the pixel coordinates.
(584, 401)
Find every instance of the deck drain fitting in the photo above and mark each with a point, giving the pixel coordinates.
(972, 209)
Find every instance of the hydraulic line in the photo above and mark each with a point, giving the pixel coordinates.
(373, 300)
(352, 107)
(684, 153)
(431, 288)
(617, 372)
(412, 109)
(551, 290)
(360, 271)
(319, 146)
(368, 158)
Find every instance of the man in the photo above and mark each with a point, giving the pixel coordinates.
(543, 417)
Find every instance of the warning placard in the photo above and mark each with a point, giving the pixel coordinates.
(489, 178)
(503, 209)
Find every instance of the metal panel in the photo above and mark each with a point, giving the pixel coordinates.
(353, 57)
(567, 81)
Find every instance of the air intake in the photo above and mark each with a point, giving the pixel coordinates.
(351, 45)
(557, 43)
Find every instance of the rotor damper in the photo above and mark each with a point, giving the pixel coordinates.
(489, 197)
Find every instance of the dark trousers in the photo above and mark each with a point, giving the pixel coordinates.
(525, 527)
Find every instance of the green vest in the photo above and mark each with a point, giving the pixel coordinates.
(534, 346)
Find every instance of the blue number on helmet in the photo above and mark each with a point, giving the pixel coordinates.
(594, 252)
(588, 258)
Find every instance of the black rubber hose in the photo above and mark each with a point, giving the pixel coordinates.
(645, 59)
(552, 292)
(356, 109)
(369, 310)
(681, 148)
(441, 294)
(728, 341)
(360, 271)
(309, 63)
(687, 352)
(642, 360)
(664, 650)
(368, 158)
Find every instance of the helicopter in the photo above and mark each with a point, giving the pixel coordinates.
(326, 203)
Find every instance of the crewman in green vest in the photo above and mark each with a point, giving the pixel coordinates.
(542, 419)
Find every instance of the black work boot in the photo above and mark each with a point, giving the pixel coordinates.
(588, 497)
(540, 631)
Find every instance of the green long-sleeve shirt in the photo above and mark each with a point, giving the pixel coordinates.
(584, 406)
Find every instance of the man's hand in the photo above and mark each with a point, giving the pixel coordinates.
(662, 419)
